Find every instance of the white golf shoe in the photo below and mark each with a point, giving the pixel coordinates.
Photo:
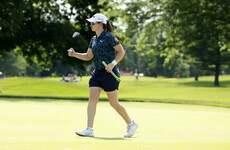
(86, 132)
(131, 128)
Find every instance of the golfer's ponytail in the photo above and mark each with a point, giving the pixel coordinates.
(108, 27)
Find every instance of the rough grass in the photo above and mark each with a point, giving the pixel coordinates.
(166, 90)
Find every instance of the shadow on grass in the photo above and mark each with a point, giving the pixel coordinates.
(41, 98)
(18, 98)
(223, 84)
(110, 138)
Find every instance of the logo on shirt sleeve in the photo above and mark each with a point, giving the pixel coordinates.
(115, 39)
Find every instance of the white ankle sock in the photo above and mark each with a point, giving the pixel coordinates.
(131, 123)
(90, 128)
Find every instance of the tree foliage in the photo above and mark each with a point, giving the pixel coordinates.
(196, 30)
(11, 17)
(16, 64)
(202, 28)
(160, 37)
(42, 29)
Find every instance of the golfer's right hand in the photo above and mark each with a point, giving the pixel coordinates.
(71, 52)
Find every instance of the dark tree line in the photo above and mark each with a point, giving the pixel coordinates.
(41, 30)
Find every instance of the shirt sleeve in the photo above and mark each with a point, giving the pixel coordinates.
(113, 41)
(91, 43)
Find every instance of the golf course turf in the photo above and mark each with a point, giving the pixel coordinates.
(146, 89)
(173, 114)
(51, 124)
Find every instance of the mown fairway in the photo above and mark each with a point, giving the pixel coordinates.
(34, 124)
(172, 90)
(34, 121)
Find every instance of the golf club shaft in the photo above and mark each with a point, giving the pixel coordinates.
(114, 75)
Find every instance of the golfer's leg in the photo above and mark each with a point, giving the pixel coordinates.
(94, 93)
(113, 100)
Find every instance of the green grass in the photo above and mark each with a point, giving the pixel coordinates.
(165, 90)
(47, 124)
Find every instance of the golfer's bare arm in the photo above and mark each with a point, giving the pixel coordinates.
(120, 52)
(83, 56)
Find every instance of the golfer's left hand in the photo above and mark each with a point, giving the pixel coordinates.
(109, 67)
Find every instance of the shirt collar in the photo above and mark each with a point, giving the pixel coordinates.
(103, 33)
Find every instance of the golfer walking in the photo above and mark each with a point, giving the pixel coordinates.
(104, 46)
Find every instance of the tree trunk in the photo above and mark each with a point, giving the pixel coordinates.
(196, 76)
(217, 71)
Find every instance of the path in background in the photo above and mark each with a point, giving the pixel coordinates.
(50, 125)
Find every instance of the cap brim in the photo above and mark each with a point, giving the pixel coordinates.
(96, 20)
(91, 20)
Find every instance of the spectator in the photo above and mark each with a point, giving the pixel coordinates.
(63, 78)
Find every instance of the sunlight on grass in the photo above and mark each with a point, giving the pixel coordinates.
(50, 124)
(170, 90)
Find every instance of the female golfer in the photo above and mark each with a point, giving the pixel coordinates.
(103, 47)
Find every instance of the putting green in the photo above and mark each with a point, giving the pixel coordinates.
(50, 125)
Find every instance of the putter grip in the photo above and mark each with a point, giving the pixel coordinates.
(115, 76)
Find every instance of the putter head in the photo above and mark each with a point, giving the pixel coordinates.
(76, 34)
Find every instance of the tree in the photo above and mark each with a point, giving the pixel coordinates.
(46, 34)
(42, 30)
(197, 28)
(129, 17)
(11, 16)
(13, 64)
(144, 41)
(203, 27)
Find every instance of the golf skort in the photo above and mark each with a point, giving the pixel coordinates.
(104, 79)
